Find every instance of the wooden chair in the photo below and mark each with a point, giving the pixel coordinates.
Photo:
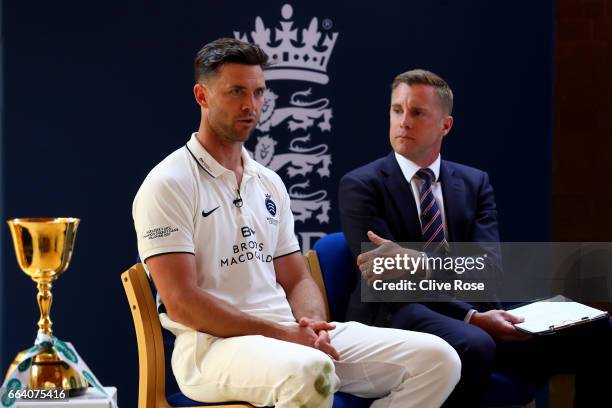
(312, 263)
(151, 359)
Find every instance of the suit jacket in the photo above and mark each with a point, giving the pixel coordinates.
(378, 197)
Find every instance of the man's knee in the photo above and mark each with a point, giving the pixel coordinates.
(435, 360)
(317, 373)
(445, 360)
(477, 350)
(309, 380)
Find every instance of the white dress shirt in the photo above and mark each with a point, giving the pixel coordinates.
(409, 169)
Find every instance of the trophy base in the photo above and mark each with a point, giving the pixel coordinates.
(49, 372)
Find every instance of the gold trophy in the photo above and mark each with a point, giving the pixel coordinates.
(43, 247)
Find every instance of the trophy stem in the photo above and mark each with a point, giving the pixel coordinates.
(45, 299)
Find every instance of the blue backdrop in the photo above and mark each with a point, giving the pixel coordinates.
(96, 93)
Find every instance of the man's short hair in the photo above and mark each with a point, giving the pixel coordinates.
(223, 51)
(423, 77)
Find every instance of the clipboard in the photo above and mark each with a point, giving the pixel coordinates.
(548, 316)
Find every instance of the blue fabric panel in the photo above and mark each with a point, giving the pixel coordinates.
(335, 255)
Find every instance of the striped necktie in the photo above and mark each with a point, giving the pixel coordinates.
(432, 228)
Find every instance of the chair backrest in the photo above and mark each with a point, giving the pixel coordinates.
(312, 263)
(339, 272)
(151, 361)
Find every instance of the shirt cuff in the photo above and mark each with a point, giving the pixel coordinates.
(469, 315)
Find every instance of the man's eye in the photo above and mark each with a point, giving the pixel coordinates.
(396, 110)
(235, 92)
(259, 92)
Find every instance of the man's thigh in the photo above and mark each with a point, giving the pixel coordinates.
(258, 369)
(375, 360)
(462, 336)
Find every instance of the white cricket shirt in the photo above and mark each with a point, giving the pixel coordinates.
(190, 203)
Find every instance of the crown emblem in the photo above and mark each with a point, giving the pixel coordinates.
(293, 56)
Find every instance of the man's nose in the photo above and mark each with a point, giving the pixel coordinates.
(248, 104)
(406, 121)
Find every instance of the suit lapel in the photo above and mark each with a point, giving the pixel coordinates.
(454, 200)
(403, 199)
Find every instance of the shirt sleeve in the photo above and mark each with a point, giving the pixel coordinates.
(287, 242)
(163, 217)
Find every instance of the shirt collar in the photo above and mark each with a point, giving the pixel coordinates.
(410, 168)
(212, 166)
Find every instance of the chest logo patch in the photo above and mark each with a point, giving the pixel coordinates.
(270, 205)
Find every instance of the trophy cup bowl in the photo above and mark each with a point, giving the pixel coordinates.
(43, 247)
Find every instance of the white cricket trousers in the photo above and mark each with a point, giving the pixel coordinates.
(402, 368)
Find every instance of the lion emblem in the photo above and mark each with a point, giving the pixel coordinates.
(303, 205)
(299, 161)
(301, 114)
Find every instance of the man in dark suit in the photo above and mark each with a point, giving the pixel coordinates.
(412, 195)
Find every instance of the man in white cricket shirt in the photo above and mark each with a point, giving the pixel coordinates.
(215, 230)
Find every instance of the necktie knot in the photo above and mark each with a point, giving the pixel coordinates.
(426, 175)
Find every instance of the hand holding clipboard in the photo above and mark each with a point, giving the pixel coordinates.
(551, 315)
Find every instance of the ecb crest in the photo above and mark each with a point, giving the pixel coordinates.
(294, 130)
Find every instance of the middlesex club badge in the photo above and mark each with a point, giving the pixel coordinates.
(270, 206)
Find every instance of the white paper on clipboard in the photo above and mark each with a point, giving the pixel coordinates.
(556, 313)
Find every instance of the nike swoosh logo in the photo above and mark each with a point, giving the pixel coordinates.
(206, 214)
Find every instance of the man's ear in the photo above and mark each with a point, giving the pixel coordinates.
(200, 92)
(447, 124)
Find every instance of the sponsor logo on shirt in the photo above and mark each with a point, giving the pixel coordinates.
(247, 231)
(159, 232)
(247, 251)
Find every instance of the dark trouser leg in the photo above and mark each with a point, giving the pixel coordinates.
(584, 350)
(474, 346)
